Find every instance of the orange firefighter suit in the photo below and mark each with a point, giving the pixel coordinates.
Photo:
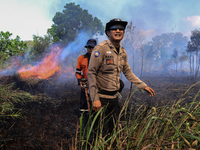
(82, 67)
(81, 73)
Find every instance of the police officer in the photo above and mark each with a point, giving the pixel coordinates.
(81, 72)
(107, 61)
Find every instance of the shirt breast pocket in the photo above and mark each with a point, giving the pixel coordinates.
(123, 61)
(109, 66)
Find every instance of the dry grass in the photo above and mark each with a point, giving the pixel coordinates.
(170, 120)
(172, 126)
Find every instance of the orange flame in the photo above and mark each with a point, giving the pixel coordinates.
(45, 69)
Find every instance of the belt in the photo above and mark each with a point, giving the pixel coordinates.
(107, 92)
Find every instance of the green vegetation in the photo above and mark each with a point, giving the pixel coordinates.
(67, 25)
(10, 47)
(172, 126)
(13, 109)
(8, 99)
(71, 21)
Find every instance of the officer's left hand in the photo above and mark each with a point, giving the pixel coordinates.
(150, 91)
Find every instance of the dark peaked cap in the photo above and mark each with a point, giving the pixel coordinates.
(114, 22)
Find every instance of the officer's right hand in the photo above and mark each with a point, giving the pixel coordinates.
(96, 105)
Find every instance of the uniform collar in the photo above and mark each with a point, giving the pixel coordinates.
(112, 47)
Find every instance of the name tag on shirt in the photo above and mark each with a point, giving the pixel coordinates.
(109, 61)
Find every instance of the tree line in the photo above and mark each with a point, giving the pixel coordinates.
(162, 53)
(66, 26)
(10, 47)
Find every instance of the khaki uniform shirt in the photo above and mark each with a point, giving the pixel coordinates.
(105, 68)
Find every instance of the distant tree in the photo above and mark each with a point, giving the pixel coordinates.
(140, 42)
(149, 55)
(191, 58)
(183, 58)
(29, 44)
(179, 41)
(193, 48)
(41, 43)
(71, 21)
(10, 47)
(166, 42)
(38, 46)
(174, 57)
(161, 47)
(129, 39)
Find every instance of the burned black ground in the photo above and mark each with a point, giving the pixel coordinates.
(50, 122)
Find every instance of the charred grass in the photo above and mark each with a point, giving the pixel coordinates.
(43, 114)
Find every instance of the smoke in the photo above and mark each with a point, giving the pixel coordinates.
(149, 17)
(76, 45)
(160, 16)
(70, 54)
(53, 63)
(11, 66)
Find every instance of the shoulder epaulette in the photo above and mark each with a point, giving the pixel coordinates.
(103, 43)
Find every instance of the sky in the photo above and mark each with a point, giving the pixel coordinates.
(26, 18)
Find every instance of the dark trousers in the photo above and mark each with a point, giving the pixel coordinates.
(83, 100)
(84, 105)
(110, 115)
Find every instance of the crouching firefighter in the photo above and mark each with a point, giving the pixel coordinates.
(81, 75)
